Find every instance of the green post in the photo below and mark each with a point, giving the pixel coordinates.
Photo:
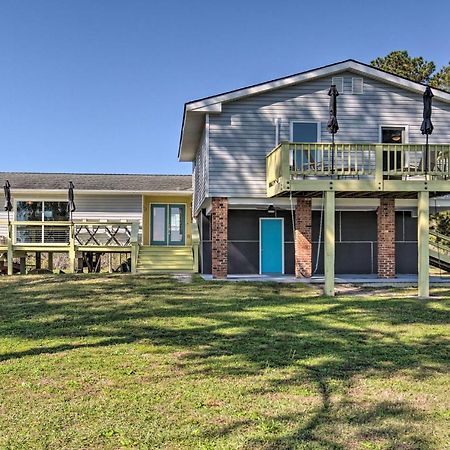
(329, 243)
(423, 243)
(72, 253)
(379, 164)
(134, 246)
(195, 246)
(10, 250)
(285, 164)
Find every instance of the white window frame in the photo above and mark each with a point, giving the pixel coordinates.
(282, 242)
(353, 85)
(333, 81)
(387, 125)
(318, 124)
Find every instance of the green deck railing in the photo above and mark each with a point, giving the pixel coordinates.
(292, 161)
(440, 248)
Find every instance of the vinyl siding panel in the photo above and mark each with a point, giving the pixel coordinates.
(241, 136)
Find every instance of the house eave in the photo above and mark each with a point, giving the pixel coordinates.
(194, 111)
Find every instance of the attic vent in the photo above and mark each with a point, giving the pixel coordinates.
(339, 82)
(357, 85)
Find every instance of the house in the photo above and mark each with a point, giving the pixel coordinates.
(147, 218)
(272, 195)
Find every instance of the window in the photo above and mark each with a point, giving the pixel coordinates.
(41, 211)
(357, 85)
(339, 82)
(304, 132)
(393, 135)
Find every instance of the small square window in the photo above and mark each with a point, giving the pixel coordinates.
(357, 85)
(339, 82)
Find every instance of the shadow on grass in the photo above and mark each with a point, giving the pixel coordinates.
(326, 341)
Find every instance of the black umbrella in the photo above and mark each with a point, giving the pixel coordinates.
(332, 124)
(71, 204)
(427, 127)
(8, 204)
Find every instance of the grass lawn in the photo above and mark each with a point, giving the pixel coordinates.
(116, 361)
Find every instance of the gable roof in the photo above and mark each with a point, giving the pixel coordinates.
(98, 182)
(195, 110)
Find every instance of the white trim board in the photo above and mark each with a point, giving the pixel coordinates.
(395, 125)
(194, 111)
(291, 128)
(349, 64)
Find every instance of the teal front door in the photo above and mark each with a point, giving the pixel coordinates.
(271, 245)
(167, 224)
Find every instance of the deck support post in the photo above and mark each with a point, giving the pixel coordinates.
(38, 260)
(10, 250)
(23, 265)
(50, 261)
(219, 237)
(134, 246)
(329, 241)
(303, 238)
(423, 237)
(72, 253)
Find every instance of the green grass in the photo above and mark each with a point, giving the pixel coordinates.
(147, 362)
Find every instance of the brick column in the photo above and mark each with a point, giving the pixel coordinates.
(303, 238)
(386, 238)
(219, 237)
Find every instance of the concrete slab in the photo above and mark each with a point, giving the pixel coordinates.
(410, 280)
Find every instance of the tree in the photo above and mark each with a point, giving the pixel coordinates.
(415, 69)
(441, 79)
(441, 223)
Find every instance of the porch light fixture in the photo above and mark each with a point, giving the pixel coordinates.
(271, 209)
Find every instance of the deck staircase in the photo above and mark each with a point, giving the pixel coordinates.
(165, 259)
(440, 251)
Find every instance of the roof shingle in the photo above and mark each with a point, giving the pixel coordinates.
(98, 182)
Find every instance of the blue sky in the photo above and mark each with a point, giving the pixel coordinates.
(99, 85)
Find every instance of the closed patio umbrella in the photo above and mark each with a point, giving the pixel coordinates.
(71, 204)
(427, 126)
(8, 203)
(333, 125)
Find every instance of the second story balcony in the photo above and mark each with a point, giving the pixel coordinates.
(357, 170)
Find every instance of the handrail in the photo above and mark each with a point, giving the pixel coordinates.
(195, 245)
(439, 235)
(291, 161)
(77, 233)
(65, 223)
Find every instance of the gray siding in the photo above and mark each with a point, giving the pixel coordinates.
(200, 171)
(241, 136)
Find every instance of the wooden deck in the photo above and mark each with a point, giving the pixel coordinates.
(357, 170)
(68, 237)
(77, 237)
